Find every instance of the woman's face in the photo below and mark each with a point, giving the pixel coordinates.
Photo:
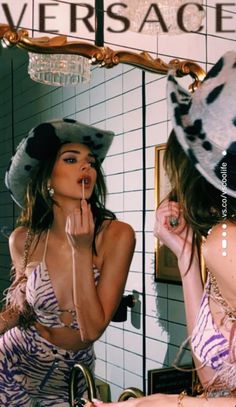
(74, 174)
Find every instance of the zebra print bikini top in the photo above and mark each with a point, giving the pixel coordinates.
(208, 343)
(41, 297)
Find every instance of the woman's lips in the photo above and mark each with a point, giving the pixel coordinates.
(85, 183)
(86, 180)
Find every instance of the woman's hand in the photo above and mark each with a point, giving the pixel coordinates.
(177, 238)
(80, 227)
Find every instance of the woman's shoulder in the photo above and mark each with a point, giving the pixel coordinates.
(117, 228)
(225, 229)
(220, 257)
(118, 237)
(17, 238)
(118, 234)
(221, 236)
(219, 248)
(17, 244)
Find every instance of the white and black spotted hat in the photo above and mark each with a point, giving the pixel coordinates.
(43, 142)
(205, 122)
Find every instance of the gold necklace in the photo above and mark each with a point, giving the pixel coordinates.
(214, 291)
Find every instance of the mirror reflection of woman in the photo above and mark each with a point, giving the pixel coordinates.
(70, 257)
(199, 150)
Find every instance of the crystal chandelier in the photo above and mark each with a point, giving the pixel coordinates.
(59, 69)
(161, 17)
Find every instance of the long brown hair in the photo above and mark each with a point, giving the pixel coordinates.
(201, 201)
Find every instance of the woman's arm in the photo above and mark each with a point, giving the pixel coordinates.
(179, 240)
(9, 317)
(171, 400)
(95, 305)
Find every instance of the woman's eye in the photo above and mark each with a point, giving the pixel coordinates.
(73, 160)
(93, 164)
(70, 160)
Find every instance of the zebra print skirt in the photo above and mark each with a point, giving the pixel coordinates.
(35, 373)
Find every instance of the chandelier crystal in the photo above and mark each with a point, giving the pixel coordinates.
(59, 69)
(149, 17)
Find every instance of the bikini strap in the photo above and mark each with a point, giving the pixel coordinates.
(45, 246)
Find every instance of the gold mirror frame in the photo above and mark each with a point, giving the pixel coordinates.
(102, 56)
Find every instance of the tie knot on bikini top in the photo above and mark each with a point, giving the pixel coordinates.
(41, 296)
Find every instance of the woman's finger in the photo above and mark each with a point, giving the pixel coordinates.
(85, 215)
(167, 203)
(169, 218)
(90, 215)
(77, 220)
(169, 206)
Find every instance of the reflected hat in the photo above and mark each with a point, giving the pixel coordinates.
(205, 122)
(43, 142)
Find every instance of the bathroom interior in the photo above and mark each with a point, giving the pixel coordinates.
(130, 99)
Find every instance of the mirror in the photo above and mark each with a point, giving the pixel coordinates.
(131, 102)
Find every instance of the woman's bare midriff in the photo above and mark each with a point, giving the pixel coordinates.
(65, 338)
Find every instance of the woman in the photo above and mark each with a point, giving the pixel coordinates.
(70, 257)
(200, 161)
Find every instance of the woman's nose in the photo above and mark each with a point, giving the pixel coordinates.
(85, 165)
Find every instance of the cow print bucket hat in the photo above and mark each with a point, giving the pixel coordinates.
(43, 142)
(205, 122)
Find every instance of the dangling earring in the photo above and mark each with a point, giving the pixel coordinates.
(50, 191)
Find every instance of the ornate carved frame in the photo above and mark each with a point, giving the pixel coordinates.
(102, 56)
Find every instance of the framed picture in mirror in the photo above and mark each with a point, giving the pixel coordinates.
(166, 265)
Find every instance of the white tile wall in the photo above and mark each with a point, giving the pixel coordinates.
(157, 351)
(115, 374)
(134, 281)
(131, 378)
(115, 335)
(114, 354)
(137, 261)
(133, 363)
(132, 178)
(114, 101)
(133, 138)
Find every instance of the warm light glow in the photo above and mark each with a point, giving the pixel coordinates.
(59, 69)
(161, 17)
